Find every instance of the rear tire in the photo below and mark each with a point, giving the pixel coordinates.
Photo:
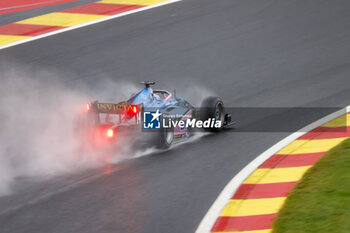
(164, 138)
(212, 107)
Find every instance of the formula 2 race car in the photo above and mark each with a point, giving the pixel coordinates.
(156, 118)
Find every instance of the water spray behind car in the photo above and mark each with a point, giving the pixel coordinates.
(38, 112)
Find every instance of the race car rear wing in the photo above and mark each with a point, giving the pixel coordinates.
(114, 114)
(111, 108)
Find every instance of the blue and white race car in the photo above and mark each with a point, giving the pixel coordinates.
(159, 114)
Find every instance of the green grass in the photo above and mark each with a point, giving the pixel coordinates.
(320, 202)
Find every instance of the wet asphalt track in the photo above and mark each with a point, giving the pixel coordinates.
(252, 53)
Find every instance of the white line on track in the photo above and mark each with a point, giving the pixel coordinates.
(88, 23)
(214, 211)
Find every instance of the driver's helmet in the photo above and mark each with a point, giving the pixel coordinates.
(156, 96)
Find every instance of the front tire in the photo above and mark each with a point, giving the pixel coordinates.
(213, 107)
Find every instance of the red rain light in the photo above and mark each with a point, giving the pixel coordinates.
(110, 133)
(88, 107)
(134, 109)
(131, 111)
